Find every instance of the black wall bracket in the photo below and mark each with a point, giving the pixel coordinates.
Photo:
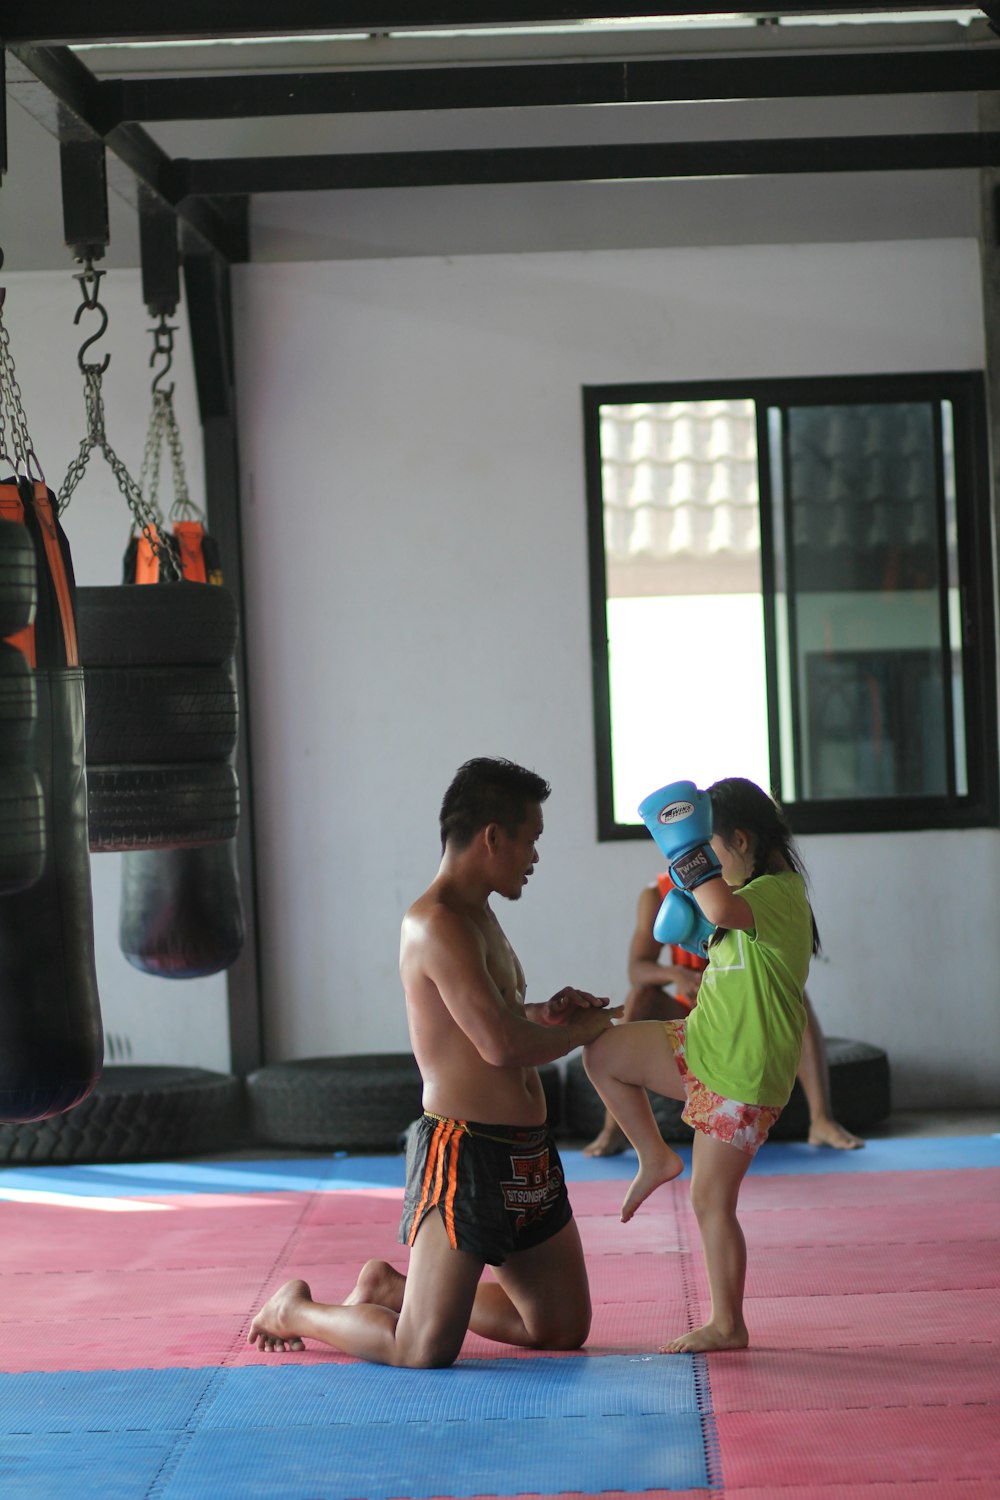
(85, 198)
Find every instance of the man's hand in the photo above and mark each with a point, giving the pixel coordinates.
(565, 1006)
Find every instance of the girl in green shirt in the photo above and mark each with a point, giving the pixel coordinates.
(734, 1059)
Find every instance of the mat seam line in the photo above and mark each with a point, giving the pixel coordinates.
(710, 1442)
(210, 1392)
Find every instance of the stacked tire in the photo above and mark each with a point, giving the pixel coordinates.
(162, 715)
(22, 811)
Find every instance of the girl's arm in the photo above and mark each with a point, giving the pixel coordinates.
(723, 906)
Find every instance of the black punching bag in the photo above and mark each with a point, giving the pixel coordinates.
(181, 914)
(51, 1038)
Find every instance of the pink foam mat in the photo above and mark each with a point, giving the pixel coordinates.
(933, 1375)
(172, 1231)
(650, 1233)
(888, 1445)
(869, 1322)
(159, 1340)
(856, 1189)
(196, 1292)
(888, 1223)
(928, 1488)
(846, 1270)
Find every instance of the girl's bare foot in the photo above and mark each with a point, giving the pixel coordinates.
(826, 1132)
(380, 1284)
(707, 1340)
(273, 1329)
(651, 1174)
(612, 1141)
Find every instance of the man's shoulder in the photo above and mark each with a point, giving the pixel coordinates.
(436, 917)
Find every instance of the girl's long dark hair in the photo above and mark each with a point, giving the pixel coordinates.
(739, 803)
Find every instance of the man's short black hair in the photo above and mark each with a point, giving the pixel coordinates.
(487, 790)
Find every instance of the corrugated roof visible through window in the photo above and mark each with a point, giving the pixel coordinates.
(680, 497)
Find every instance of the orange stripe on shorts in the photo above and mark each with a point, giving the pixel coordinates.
(428, 1174)
(446, 1133)
(449, 1202)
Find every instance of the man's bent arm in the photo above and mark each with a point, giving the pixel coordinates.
(453, 957)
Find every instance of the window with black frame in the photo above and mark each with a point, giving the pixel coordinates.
(793, 581)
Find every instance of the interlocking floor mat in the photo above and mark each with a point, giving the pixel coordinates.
(873, 1293)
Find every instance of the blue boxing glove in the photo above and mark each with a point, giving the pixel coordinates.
(681, 920)
(679, 817)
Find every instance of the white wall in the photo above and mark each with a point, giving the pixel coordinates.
(146, 1019)
(417, 587)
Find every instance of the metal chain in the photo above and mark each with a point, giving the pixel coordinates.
(183, 508)
(12, 411)
(146, 518)
(149, 474)
(163, 427)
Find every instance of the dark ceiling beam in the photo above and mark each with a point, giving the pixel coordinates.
(63, 95)
(400, 169)
(69, 22)
(505, 86)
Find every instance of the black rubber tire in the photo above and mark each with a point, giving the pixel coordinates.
(137, 1114)
(860, 1091)
(145, 715)
(22, 829)
(18, 704)
(18, 578)
(156, 625)
(584, 1111)
(161, 807)
(360, 1103)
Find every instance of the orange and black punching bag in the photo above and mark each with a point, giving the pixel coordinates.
(51, 1038)
(181, 913)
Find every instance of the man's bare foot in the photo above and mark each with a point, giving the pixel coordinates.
(273, 1329)
(651, 1174)
(707, 1340)
(379, 1284)
(826, 1132)
(612, 1141)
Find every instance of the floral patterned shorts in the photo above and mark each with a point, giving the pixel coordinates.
(745, 1126)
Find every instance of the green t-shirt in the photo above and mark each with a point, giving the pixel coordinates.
(744, 1036)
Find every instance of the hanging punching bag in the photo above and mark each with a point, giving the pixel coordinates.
(51, 1038)
(181, 913)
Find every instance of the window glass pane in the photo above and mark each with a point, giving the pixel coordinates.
(686, 652)
(870, 659)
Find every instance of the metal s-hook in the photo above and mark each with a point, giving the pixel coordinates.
(91, 303)
(163, 344)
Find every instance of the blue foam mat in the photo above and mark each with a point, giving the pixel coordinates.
(344, 1173)
(453, 1458)
(361, 1395)
(113, 1466)
(342, 1431)
(81, 1401)
(473, 1391)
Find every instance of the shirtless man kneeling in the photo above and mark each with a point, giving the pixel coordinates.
(476, 1194)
